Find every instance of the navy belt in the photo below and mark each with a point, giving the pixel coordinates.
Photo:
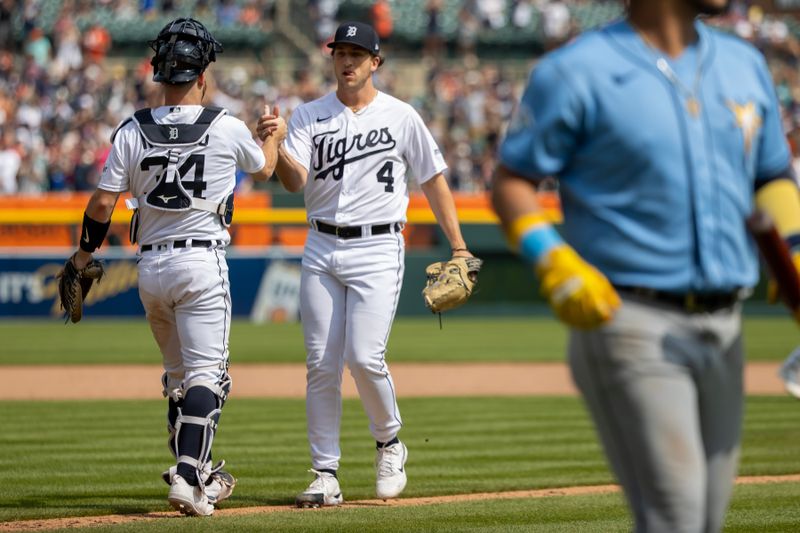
(690, 302)
(353, 232)
(194, 243)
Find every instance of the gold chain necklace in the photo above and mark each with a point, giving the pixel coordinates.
(356, 109)
(692, 101)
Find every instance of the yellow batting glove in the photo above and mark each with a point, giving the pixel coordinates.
(579, 294)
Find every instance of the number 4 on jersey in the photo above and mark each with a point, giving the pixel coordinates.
(385, 176)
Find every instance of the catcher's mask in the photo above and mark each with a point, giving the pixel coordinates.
(184, 48)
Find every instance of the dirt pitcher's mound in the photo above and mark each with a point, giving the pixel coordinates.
(70, 382)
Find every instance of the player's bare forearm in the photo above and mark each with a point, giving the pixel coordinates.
(579, 294)
(512, 197)
(101, 205)
(271, 129)
(291, 174)
(270, 150)
(443, 206)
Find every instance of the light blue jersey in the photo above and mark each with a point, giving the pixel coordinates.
(653, 194)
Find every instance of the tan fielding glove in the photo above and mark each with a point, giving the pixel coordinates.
(450, 283)
(579, 294)
(74, 285)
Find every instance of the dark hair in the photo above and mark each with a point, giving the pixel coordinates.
(383, 59)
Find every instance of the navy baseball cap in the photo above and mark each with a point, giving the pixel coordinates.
(358, 34)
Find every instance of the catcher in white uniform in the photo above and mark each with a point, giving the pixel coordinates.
(351, 150)
(179, 162)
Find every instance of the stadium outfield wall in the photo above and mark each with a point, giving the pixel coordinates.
(37, 233)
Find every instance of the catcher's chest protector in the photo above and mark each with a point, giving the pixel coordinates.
(180, 140)
(169, 194)
(176, 135)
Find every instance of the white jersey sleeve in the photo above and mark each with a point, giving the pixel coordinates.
(298, 142)
(424, 158)
(249, 156)
(115, 176)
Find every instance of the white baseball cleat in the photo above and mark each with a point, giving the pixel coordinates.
(189, 500)
(221, 486)
(218, 489)
(790, 373)
(390, 470)
(323, 491)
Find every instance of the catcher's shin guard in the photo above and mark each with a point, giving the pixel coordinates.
(195, 427)
(174, 396)
(172, 418)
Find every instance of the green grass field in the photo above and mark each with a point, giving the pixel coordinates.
(412, 339)
(93, 458)
(83, 458)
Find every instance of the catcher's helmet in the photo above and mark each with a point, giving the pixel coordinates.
(184, 48)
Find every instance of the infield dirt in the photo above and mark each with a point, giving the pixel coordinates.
(72, 382)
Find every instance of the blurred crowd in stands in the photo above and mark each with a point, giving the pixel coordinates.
(61, 96)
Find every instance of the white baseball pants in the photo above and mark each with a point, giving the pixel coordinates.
(186, 295)
(349, 291)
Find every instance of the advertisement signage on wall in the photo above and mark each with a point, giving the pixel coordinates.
(263, 287)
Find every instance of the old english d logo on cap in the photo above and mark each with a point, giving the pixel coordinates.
(358, 34)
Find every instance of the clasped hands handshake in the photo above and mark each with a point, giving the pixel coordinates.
(271, 123)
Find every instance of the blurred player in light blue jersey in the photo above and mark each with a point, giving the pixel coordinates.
(664, 135)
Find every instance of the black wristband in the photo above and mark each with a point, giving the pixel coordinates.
(459, 249)
(93, 233)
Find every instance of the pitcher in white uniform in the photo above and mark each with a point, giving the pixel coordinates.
(352, 151)
(179, 161)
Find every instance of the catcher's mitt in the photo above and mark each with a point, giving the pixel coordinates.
(74, 285)
(450, 283)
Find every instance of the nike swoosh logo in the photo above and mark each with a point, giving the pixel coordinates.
(323, 119)
(86, 235)
(166, 199)
(623, 77)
